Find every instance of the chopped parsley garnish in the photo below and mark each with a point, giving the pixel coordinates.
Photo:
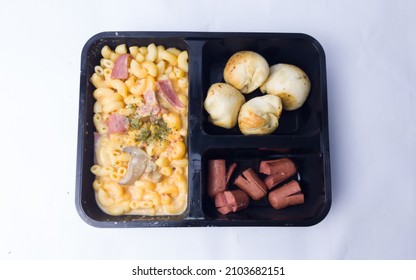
(132, 106)
(143, 134)
(135, 123)
(159, 129)
(150, 131)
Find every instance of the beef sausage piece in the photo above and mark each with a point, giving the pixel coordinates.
(230, 172)
(286, 195)
(231, 201)
(276, 178)
(282, 165)
(218, 176)
(251, 184)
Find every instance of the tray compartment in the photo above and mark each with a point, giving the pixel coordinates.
(309, 174)
(301, 52)
(91, 54)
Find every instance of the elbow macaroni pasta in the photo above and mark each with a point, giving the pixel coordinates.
(162, 189)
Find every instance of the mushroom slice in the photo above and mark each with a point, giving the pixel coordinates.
(134, 151)
(137, 165)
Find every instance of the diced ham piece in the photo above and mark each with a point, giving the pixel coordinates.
(151, 108)
(97, 138)
(148, 111)
(117, 123)
(155, 111)
(144, 111)
(121, 67)
(150, 98)
(168, 92)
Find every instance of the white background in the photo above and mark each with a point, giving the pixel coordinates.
(370, 51)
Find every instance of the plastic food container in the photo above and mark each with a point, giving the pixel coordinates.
(302, 134)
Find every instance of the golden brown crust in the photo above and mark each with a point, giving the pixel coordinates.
(288, 100)
(251, 120)
(260, 115)
(290, 83)
(246, 71)
(223, 102)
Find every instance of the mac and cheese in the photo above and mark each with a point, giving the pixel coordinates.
(141, 116)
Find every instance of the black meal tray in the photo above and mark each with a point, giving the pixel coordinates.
(302, 134)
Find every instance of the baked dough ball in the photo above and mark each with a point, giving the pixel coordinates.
(260, 115)
(223, 103)
(246, 71)
(290, 83)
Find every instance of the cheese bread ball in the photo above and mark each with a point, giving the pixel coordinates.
(223, 102)
(260, 115)
(290, 83)
(246, 71)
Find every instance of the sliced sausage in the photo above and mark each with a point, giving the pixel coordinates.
(218, 176)
(231, 201)
(251, 184)
(286, 195)
(283, 165)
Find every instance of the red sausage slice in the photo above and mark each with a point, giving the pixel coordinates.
(231, 201)
(286, 195)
